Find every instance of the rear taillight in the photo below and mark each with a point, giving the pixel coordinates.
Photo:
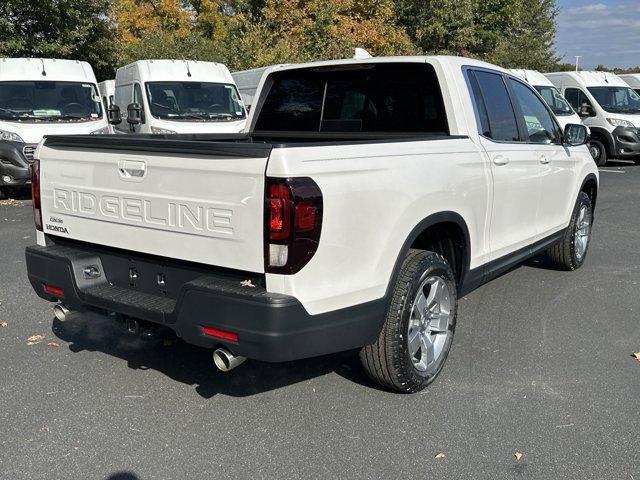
(35, 193)
(292, 224)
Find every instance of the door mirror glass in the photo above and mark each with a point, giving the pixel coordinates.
(113, 115)
(575, 134)
(134, 114)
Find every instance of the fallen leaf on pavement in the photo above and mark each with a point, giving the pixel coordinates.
(635, 355)
(247, 283)
(518, 455)
(33, 339)
(53, 344)
(440, 456)
(3, 324)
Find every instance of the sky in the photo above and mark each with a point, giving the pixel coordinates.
(603, 32)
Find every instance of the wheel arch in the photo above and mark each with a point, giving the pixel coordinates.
(426, 231)
(599, 133)
(590, 187)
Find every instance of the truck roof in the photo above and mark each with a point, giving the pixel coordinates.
(52, 69)
(174, 70)
(532, 77)
(451, 61)
(590, 78)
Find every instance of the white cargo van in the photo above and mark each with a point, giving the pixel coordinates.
(557, 103)
(107, 90)
(247, 82)
(176, 96)
(38, 97)
(609, 107)
(633, 80)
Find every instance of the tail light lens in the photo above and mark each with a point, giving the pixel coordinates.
(293, 220)
(35, 193)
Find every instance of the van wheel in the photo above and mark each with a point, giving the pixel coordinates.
(598, 152)
(418, 330)
(571, 252)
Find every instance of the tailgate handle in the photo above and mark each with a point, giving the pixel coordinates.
(133, 170)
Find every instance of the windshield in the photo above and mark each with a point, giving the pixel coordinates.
(617, 99)
(48, 101)
(555, 100)
(211, 102)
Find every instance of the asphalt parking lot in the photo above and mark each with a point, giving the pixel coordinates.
(541, 364)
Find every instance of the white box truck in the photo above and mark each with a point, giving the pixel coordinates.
(107, 90)
(551, 95)
(38, 97)
(176, 96)
(609, 107)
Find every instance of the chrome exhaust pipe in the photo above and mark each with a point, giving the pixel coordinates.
(225, 360)
(62, 313)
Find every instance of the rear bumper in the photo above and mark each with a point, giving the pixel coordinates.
(270, 327)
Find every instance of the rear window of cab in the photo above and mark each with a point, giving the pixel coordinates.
(385, 97)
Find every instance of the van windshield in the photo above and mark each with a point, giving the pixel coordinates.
(616, 99)
(555, 100)
(194, 101)
(49, 101)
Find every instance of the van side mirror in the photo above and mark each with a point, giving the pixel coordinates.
(134, 114)
(575, 134)
(113, 115)
(586, 110)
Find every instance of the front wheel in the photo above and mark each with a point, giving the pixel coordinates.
(571, 252)
(598, 152)
(418, 331)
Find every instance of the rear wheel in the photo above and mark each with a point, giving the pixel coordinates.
(598, 152)
(570, 254)
(418, 330)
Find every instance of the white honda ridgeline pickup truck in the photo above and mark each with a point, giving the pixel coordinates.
(365, 199)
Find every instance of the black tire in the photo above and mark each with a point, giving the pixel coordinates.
(388, 362)
(563, 255)
(598, 152)
(4, 193)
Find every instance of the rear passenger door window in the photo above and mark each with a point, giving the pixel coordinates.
(541, 128)
(503, 126)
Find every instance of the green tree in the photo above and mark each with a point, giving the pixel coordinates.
(71, 29)
(511, 33)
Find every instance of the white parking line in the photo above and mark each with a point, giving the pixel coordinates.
(611, 171)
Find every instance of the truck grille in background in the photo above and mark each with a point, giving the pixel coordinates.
(28, 151)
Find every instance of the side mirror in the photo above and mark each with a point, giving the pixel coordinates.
(113, 115)
(575, 134)
(586, 110)
(134, 114)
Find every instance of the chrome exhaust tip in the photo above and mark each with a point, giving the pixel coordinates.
(225, 360)
(62, 313)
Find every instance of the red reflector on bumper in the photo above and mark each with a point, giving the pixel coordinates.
(58, 292)
(221, 334)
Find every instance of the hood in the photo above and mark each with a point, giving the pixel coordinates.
(200, 127)
(33, 132)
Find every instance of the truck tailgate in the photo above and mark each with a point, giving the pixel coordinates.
(199, 201)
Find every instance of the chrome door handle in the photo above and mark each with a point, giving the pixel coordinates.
(500, 160)
(544, 160)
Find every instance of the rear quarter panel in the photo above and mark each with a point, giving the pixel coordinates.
(374, 195)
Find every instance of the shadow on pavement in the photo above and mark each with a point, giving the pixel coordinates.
(192, 365)
(123, 476)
